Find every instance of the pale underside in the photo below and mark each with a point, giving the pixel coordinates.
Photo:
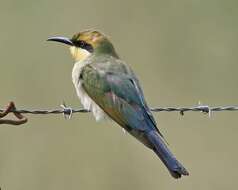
(86, 101)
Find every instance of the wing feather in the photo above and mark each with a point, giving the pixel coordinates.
(120, 96)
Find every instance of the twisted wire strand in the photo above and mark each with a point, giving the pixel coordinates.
(69, 111)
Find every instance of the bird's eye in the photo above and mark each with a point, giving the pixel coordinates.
(82, 44)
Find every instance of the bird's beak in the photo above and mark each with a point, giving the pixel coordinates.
(61, 40)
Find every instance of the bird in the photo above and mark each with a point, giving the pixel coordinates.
(109, 88)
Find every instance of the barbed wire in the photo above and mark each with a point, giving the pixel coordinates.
(68, 111)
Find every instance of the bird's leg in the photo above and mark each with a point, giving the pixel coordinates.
(10, 108)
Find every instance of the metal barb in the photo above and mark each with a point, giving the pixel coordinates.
(67, 111)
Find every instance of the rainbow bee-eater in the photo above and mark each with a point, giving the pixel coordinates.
(109, 88)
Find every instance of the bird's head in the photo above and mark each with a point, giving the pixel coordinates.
(85, 43)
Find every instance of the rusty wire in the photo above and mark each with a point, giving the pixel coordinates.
(19, 118)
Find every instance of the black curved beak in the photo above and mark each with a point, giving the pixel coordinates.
(61, 40)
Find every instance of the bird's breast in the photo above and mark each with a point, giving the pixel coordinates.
(86, 101)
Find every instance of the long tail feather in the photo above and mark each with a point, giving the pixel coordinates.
(175, 168)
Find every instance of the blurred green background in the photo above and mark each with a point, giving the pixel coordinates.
(182, 51)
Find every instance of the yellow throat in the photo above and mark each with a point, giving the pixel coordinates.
(79, 54)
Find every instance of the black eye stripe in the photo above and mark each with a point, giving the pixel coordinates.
(83, 45)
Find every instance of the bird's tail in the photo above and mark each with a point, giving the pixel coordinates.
(175, 168)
